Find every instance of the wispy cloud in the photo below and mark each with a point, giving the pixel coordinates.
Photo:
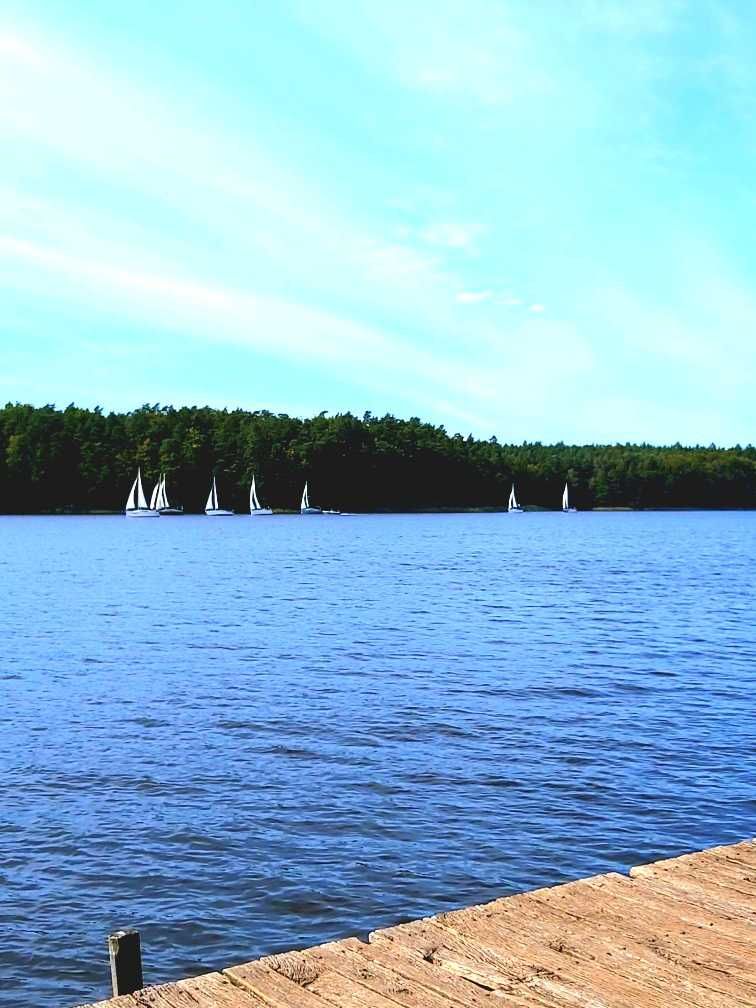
(16, 49)
(193, 177)
(473, 297)
(269, 325)
(474, 49)
(452, 235)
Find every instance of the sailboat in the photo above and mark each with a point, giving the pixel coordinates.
(566, 501)
(513, 507)
(136, 505)
(160, 501)
(305, 508)
(212, 510)
(254, 503)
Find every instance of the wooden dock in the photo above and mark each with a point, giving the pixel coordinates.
(675, 934)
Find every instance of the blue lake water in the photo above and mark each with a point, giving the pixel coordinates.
(243, 735)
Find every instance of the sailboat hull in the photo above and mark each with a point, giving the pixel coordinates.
(256, 512)
(311, 511)
(218, 513)
(515, 510)
(171, 511)
(569, 510)
(142, 513)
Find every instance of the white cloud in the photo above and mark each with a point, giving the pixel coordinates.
(370, 356)
(223, 189)
(473, 297)
(14, 49)
(638, 17)
(537, 308)
(447, 234)
(468, 48)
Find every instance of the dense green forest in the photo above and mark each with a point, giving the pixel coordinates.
(80, 460)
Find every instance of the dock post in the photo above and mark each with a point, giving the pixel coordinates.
(124, 950)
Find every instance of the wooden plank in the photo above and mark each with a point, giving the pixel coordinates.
(639, 901)
(638, 912)
(585, 959)
(215, 990)
(723, 897)
(334, 986)
(342, 957)
(273, 986)
(743, 852)
(644, 893)
(125, 1001)
(717, 867)
(698, 899)
(733, 866)
(482, 964)
(413, 954)
(685, 962)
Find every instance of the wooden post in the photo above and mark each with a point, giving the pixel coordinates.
(125, 954)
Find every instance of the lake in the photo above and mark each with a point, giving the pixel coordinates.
(242, 736)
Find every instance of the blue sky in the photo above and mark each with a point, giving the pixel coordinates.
(492, 214)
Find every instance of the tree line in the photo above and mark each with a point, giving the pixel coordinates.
(76, 459)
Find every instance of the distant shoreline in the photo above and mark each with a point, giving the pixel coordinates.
(99, 513)
(84, 461)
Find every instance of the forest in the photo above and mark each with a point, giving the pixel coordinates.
(84, 460)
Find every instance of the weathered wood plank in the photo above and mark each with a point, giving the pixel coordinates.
(580, 957)
(215, 990)
(727, 900)
(125, 1001)
(415, 963)
(342, 958)
(646, 950)
(275, 989)
(334, 986)
(478, 961)
(640, 894)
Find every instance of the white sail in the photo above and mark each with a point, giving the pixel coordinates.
(513, 505)
(162, 501)
(212, 498)
(305, 498)
(141, 501)
(131, 502)
(254, 503)
(155, 498)
(566, 498)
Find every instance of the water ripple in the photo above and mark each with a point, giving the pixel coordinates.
(246, 738)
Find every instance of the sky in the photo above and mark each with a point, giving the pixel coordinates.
(519, 218)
